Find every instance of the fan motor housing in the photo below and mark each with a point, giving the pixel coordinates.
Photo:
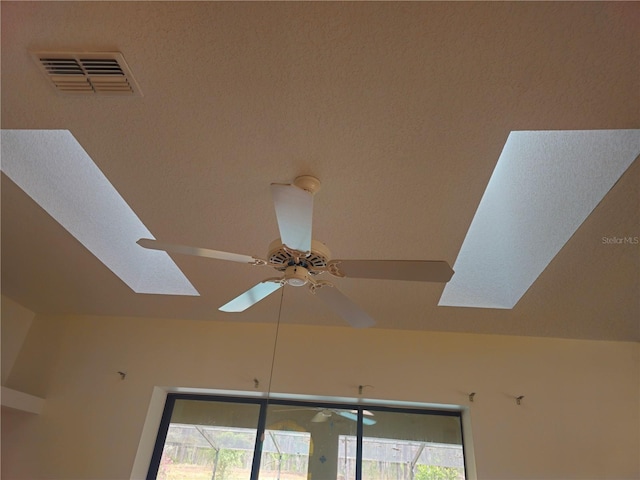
(281, 257)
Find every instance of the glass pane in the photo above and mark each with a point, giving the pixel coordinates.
(303, 442)
(209, 440)
(416, 446)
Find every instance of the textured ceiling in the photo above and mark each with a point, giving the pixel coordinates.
(401, 110)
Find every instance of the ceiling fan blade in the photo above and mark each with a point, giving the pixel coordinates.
(251, 296)
(343, 306)
(354, 417)
(321, 416)
(198, 252)
(413, 270)
(294, 211)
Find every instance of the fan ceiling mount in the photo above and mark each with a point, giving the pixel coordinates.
(301, 261)
(308, 183)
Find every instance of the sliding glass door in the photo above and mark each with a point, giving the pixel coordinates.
(223, 438)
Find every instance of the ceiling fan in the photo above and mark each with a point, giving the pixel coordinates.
(300, 260)
(324, 414)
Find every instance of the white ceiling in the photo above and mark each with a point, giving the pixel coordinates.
(401, 110)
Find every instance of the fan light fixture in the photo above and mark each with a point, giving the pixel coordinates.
(296, 276)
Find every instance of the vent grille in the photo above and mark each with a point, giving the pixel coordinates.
(104, 73)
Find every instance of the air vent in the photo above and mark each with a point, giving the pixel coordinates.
(104, 73)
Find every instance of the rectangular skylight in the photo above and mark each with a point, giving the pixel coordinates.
(55, 171)
(545, 184)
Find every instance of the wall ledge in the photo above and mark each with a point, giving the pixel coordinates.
(21, 401)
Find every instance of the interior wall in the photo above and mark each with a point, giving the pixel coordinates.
(579, 417)
(15, 323)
